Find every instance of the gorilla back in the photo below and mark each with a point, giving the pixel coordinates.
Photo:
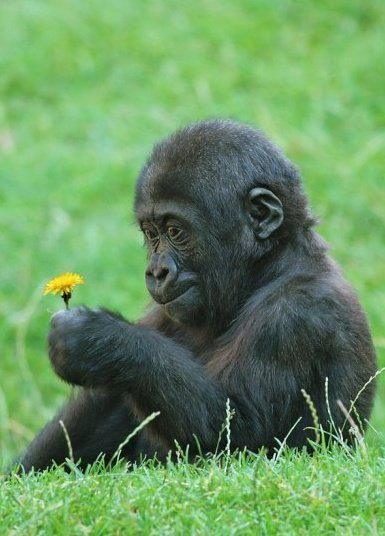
(248, 307)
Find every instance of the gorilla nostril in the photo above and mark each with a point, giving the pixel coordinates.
(161, 273)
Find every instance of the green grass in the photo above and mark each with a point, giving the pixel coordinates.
(86, 88)
(298, 495)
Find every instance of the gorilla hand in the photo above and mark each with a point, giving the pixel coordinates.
(83, 343)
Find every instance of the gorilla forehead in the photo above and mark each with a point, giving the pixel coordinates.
(211, 157)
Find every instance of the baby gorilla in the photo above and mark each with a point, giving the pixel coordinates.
(248, 307)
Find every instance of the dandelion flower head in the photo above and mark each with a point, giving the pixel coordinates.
(63, 283)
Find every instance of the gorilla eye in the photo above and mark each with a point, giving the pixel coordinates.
(151, 234)
(175, 235)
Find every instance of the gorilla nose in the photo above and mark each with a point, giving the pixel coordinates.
(162, 271)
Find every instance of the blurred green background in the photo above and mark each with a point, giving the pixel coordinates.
(86, 88)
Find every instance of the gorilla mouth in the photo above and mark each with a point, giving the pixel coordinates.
(185, 287)
(168, 300)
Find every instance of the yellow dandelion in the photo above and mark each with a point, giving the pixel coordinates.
(64, 284)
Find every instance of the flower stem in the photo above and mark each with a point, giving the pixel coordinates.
(66, 297)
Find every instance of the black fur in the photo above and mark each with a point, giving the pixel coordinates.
(249, 307)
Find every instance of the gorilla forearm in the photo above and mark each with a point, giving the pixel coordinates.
(100, 349)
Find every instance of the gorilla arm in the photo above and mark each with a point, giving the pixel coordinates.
(96, 348)
(99, 349)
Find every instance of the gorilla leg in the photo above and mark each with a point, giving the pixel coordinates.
(96, 424)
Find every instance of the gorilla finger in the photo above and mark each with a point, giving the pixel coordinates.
(58, 318)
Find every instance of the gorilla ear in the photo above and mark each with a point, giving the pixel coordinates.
(265, 211)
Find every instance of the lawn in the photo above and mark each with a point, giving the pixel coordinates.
(86, 88)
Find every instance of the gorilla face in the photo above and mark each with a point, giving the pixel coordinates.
(173, 272)
(200, 265)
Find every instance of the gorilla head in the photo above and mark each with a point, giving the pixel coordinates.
(212, 200)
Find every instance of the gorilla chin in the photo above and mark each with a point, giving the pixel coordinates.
(185, 307)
